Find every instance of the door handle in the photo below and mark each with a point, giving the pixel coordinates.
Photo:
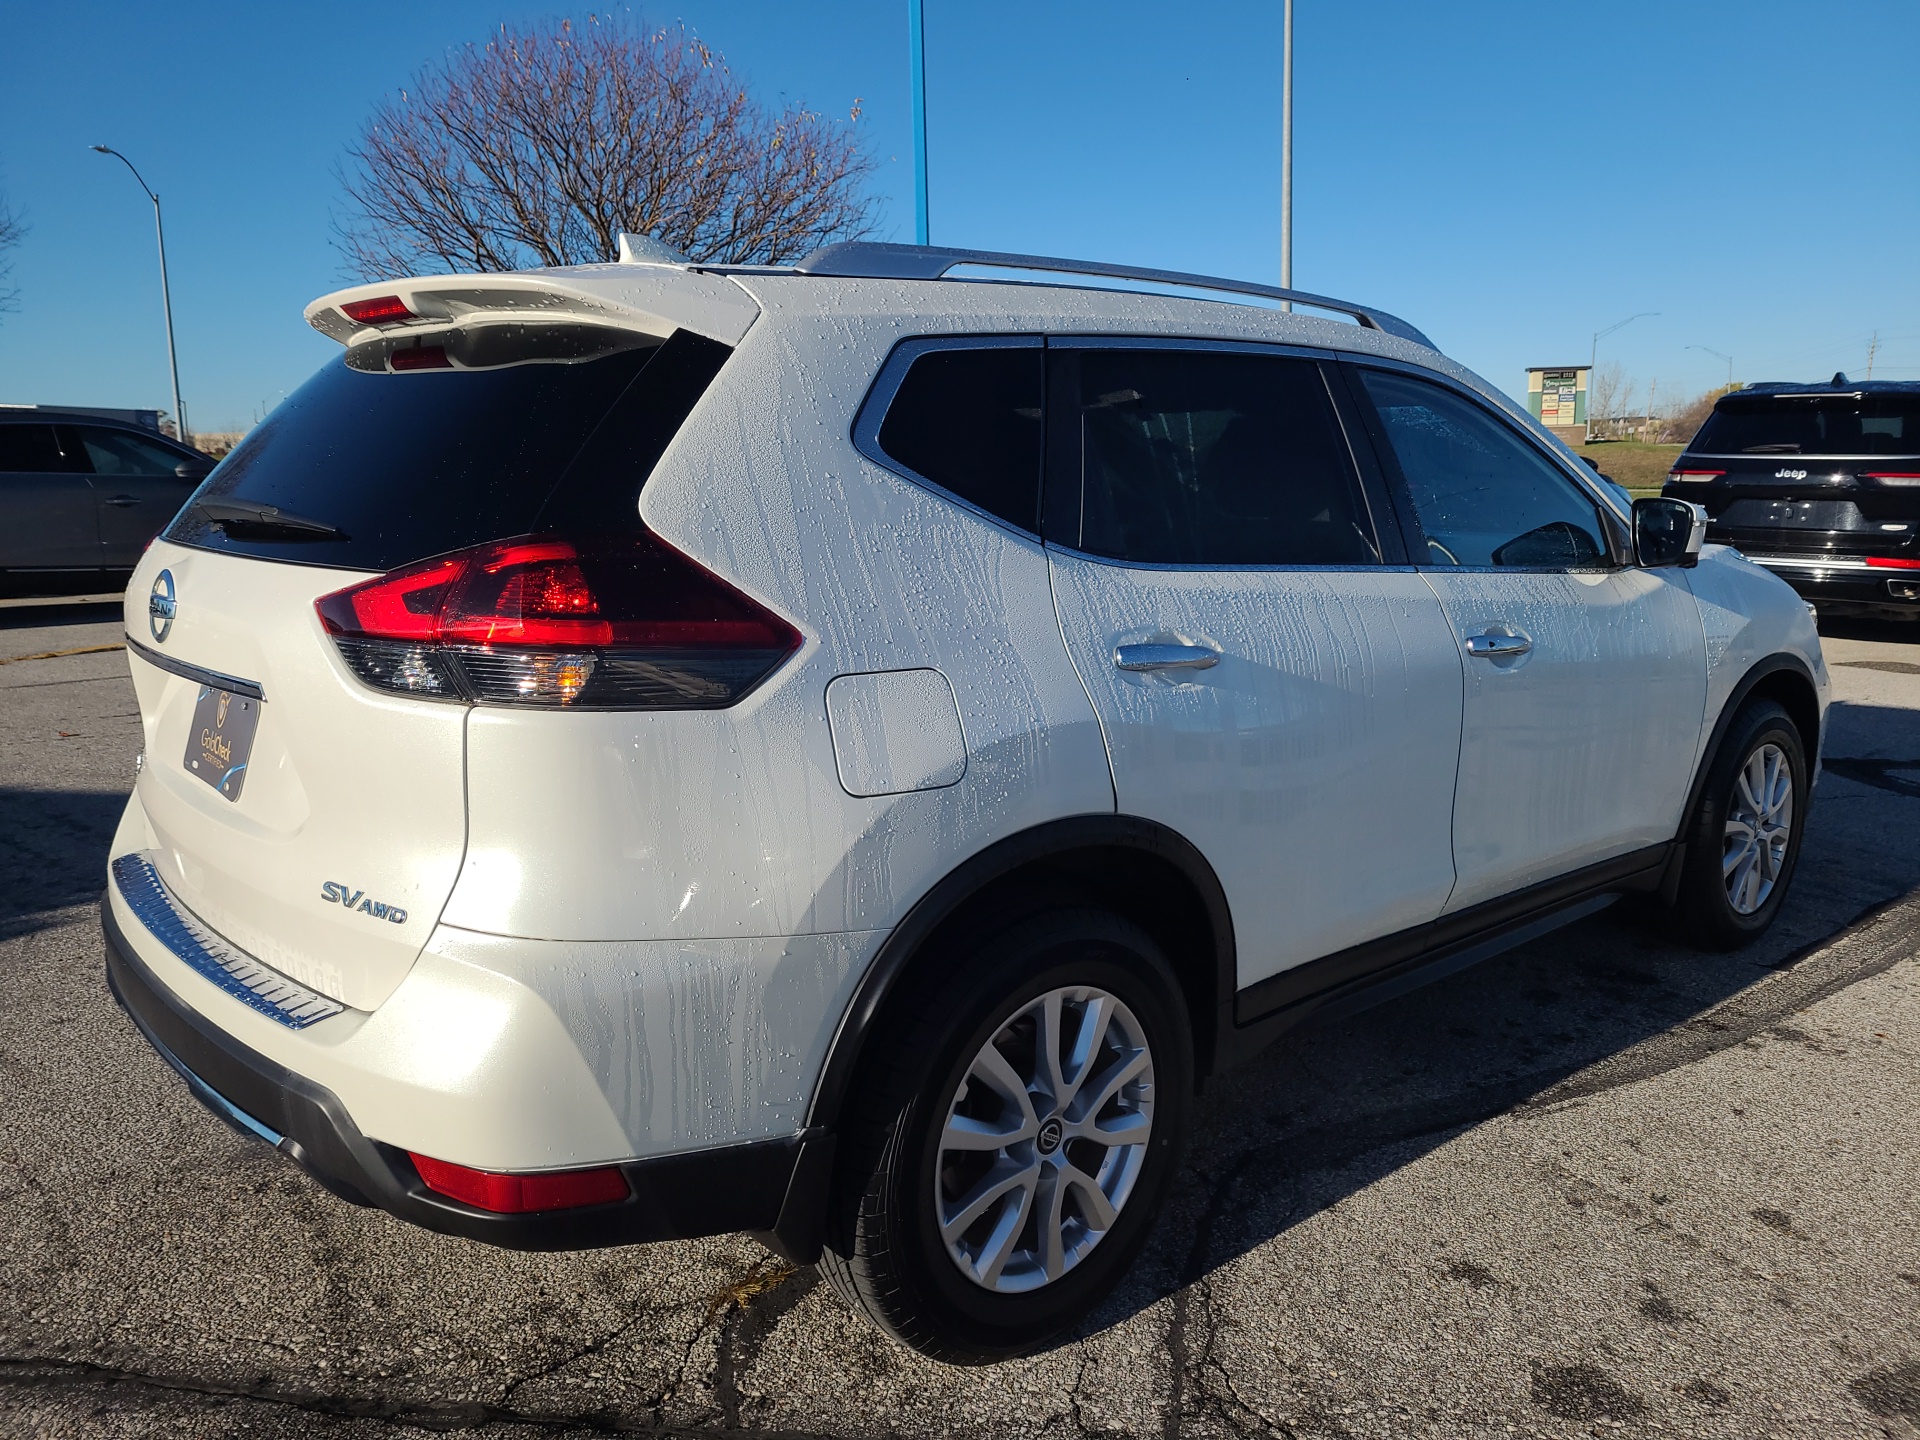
(122, 501)
(1498, 647)
(1138, 658)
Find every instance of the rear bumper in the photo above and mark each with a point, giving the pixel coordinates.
(676, 1197)
(1843, 581)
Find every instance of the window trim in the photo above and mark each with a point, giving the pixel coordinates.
(1382, 539)
(1616, 529)
(872, 415)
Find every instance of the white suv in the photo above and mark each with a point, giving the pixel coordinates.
(840, 752)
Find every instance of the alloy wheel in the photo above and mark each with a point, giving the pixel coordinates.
(1758, 828)
(1044, 1139)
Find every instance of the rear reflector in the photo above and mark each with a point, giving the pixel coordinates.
(381, 310)
(420, 357)
(631, 624)
(1695, 476)
(1887, 562)
(519, 1194)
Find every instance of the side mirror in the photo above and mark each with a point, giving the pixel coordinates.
(191, 470)
(1668, 532)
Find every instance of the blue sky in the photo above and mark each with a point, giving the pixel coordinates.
(1509, 176)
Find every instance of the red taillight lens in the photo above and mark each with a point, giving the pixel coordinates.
(1695, 476)
(381, 310)
(538, 621)
(519, 1194)
(1892, 477)
(1888, 562)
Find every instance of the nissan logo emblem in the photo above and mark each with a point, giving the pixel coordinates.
(160, 606)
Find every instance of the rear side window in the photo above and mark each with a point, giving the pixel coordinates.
(1861, 424)
(37, 448)
(1484, 496)
(367, 470)
(969, 421)
(1204, 458)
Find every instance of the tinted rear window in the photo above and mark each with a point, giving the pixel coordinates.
(1207, 458)
(402, 466)
(969, 420)
(1821, 425)
(30, 448)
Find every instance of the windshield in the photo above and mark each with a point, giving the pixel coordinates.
(1868, 425)
(367, 469)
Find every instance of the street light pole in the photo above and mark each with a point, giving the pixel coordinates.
(1286, 153)
(1718, 355)
(1600, 335)
(166, 300)
(917, 45)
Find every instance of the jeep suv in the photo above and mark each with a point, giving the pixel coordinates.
(1820, 484)
(841, 751)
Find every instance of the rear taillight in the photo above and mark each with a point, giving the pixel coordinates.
(538, 621)
(1892, 477)
(1695, 476)
(519, 1194)
(1888, 562)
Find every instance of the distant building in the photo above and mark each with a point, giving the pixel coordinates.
(1557, 396)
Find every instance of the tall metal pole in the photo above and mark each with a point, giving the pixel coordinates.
(917, 46)
(1286, 154)
(166, 299)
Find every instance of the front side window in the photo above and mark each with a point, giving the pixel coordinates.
(1207, 458)
(115, 452)
(969, 421)
(1483, 495)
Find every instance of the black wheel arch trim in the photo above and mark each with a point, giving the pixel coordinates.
(998, 861)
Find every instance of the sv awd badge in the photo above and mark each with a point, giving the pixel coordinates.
(336, 893)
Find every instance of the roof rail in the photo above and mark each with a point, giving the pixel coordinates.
(871, 260)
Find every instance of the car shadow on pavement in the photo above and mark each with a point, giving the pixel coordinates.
(1606, 1001)
(53, 853)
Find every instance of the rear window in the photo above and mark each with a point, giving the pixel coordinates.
(1812, 425)
(969, 421)
(366, 469)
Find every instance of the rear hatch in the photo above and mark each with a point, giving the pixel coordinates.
(305, 802)
(1822, 473)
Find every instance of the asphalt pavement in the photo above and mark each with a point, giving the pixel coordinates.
(1602, 1185)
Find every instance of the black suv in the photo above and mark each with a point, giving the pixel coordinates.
(1820, 484)
(81, 494)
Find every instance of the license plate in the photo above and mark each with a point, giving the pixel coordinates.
(221, 740)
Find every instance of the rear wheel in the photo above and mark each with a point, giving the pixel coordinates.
(1012, 1138)
(1744, 841)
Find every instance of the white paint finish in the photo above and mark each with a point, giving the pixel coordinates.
(895, 731)
(690, 1042)
(1750, 614)
(1313, 765)
(344, 784)
(652, 298)
(733, 823)
(1581, 749)
(461, 1063)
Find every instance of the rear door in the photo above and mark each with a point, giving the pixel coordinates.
(331, 854)
(1586, 677)
(136, 487)
(1268, 687)
(46, 505)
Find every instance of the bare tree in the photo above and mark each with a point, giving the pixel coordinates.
(13, 229)
(1609, 396)
(541, 146)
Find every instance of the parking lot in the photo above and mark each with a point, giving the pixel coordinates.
(1602, 1185)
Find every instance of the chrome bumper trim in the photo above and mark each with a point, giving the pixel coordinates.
(233, 970)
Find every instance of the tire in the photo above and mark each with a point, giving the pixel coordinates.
(885, 1252)
(1730, 890)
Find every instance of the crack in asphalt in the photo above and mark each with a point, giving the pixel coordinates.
(28, 1372)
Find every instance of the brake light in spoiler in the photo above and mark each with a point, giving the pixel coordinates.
(380, 310)
(631, 624)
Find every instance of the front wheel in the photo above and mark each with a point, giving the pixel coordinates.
(1744, 841)
(1013, 1138)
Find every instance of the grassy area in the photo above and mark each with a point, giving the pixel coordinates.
(1640, 467)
